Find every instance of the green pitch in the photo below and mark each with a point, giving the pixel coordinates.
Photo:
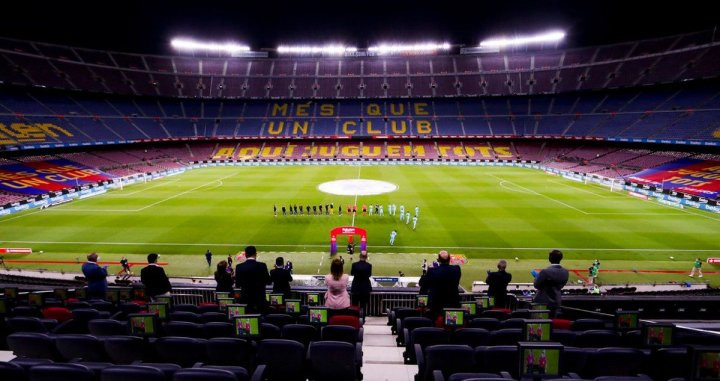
(484, 213)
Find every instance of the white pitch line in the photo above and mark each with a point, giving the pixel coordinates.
(540, 194)
(577, 189)
(374, 246)
(20, 216)
(143, 190)
(357, 192)
(502, 185)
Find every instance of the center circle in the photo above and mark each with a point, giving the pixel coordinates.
(360, 187)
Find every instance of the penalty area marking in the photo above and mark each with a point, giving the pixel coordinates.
(374, 246)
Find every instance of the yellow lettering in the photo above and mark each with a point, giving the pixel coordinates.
(51, 128)
(349, 150)
(503, 151)
(290, 149)
(373, 109)
(420, 109)
(393, 150)
(327, 109)
(458, 150)
(245, 153)
(370, 129)
(424, 127)
(400, 109)
(272, 151)
(224, 152)
(419, 150)
(300, 127)
(279, 108)
(346, 127)
(272, 130)
(327, 151)
(443, 150)
(371, 151)
(302, 109)
(395, 129)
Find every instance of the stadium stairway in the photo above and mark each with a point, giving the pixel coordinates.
(382, 358)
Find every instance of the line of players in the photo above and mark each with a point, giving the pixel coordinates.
(329, 209)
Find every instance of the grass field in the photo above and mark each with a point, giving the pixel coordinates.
(485, 213)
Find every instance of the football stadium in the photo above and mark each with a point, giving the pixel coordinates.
(428, 196)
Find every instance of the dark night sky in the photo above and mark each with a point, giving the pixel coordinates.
(148, 25)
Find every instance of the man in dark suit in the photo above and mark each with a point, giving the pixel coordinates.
(280, 277)
(497, 284)
(361, 287)
(442, 283)
(251, 277)
(95, 276)
(550, 282)
(154, 278)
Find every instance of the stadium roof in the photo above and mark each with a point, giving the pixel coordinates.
(147, 26)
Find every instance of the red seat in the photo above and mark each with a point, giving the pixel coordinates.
(561, 324)
(60, 314)
(351, 321)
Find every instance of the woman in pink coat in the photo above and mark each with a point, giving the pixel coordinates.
(337, 296)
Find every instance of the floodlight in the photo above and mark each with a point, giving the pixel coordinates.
(186, 44)
(552, 36)
(409, 48)
(333, 49)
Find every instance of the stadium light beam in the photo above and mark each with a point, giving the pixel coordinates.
(427, 47)
(552, 36)
(332, 49)
(186, 44)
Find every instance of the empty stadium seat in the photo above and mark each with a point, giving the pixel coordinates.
(132, 372)
(438, 376)
(80, 347)
(124, 349)
(269, 331)
(342, 333)
(57, 372)
(218, 329)
(186, 308)
(472, 337)
(419, 339)
(187, 316)
(487, 323)
(587, 324)
(278, 320)
(398, 315)
(448, 359)
(210, 317)
(284, 359)
(184, 351)
(107, 327)
(407, 325)
(204, 374)
(183, 329)
(33, 345)
(334, 360)
(498, 359)
(512, 323)
(26, 324)
(614, 362)
(230, 352)
(11, 371)
(598, 339)
(507, 336)
(301, 333)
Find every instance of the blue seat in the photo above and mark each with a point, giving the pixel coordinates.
(512, 323)
(564, 337)
(167, 369)
(28, 311)
(398, 315)
(507, 336)
(204, 374)
(183, 329)
(341, 333)
(210, 317)
(301, 333)
(488, 323)
(124, 349)
(496, 314)
(448, 359)
(107, 327)
(473, 337)
(407, 325)
(184, 351)
(498, 359)
(278, 320)
(26, 324)
(61, 372)
(218, 329)
(419, 339)
(230, 352)
(186, 308)
(614, 362)
(269, 331)
(670, 363)
(33, 345)
(80, 347)
(587, 324)
(132, 372)
(11, 371)
(598, 339)
(334, 361)
(240, 373)
(284, 359)
(191, 317)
